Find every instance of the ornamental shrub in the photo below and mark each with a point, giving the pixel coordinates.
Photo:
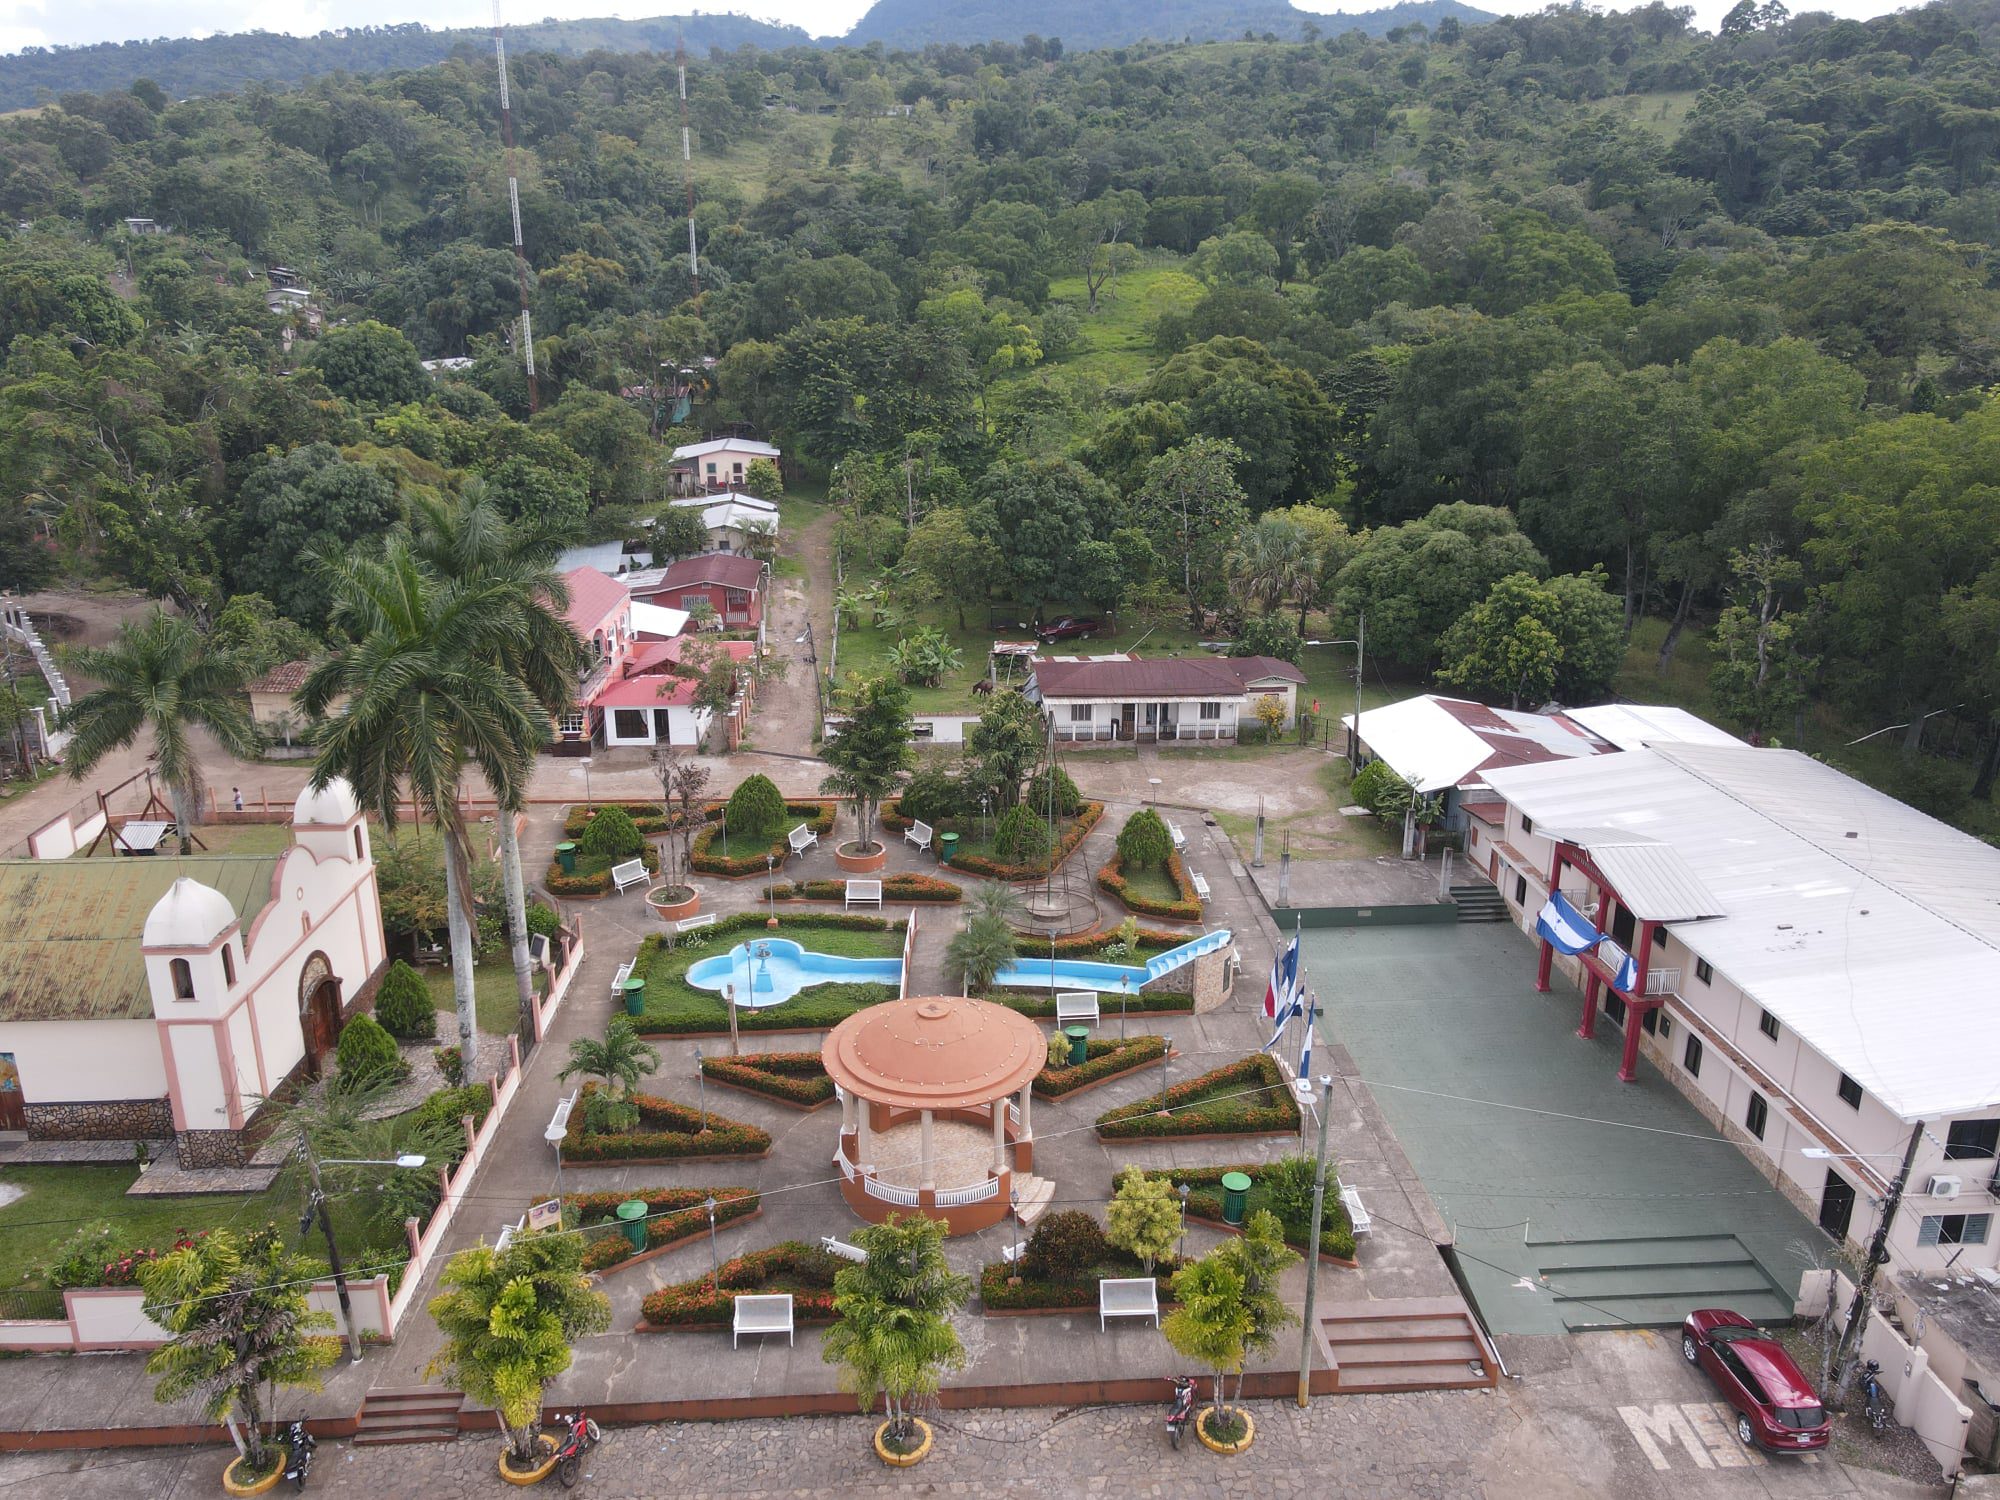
(1065, 1245)
(612, 835)
(403, 1005)
(757, 806)
(542, 920)
(1144, 841)
(1288, 1192)
(1379, 789)
(367, 1051)
(1068, 800)
(931, 796)
(1021, 836)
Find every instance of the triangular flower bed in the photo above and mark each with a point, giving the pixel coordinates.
(795, 1078)
(1103, 1062)
(806, 1271)
(666, 1132)
(1248, 1097)
(673, 1216)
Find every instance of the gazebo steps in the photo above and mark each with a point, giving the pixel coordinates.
(1034, 1195)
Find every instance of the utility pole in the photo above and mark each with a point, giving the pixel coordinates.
(316, 1207)
(1878, 1252)
(1312, 1241)
(1360, 654)
(527, 324)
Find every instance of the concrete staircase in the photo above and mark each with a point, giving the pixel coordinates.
(1655, 1282)
(427, 1414)
(1408, 1344)
(1479, 903)
(1035, 1195)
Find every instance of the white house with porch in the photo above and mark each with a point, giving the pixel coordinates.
(1167, 699)
(718, 465)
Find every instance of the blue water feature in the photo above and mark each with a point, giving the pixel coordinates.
(1079, 974)
(769, 971)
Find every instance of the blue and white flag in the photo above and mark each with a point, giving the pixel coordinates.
(1284, 1018)
(1625, 971)
(1282, 990)
(1566, 929)
(1306, 1052)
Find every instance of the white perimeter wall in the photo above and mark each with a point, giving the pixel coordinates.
(86, 1062)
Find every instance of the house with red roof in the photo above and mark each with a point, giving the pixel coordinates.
(729, 583)
(1159, 700)
(639, 677)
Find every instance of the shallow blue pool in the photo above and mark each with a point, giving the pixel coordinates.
(769, 971)
(1069, 974)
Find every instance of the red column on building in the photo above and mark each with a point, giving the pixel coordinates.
(1548, 957)
(1635, 1009)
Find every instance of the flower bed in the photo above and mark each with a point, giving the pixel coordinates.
(1336, 1230)
(817, 816)
(666, 1131)
(648, 817)
(671, 1214)
(894, 888)
(806, 1271)
(593, 872)
(1248, 1097)
(1094, 945)
(676, 1008)
(1102, 1060)
(797, 1078)
(999, 1294)
(993, 869)
(1111, 879)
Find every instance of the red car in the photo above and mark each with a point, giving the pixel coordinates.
(1775, 1405)
(1071, 627)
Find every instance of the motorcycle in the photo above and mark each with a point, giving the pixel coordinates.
(1876, 1398)
(583, 1436)
(1181, 1411)
(299, 1445)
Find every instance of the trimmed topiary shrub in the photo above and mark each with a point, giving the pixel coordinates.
(612, 835)
(1144, 843)
(1021, 836)
(1065, 1245)
(403, 1005)
(367, 1051)
(757, 806)
(1068, 800)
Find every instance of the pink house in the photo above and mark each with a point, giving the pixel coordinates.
(731, 584)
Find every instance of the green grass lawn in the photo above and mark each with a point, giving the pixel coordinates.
(1117, 342)
(494, 997)
(672, 1004)
(1152, 884)
(234, 838)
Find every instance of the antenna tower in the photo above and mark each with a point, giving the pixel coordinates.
(514, 203)
(687, 155)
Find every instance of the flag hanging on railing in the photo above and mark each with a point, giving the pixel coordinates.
(1566, 929)
(1624, 967)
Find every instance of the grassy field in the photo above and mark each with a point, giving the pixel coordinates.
(1319, 832)
(493, 997)
(1117, 342)
(1661, 113)
(672, 1004)
(235, 838)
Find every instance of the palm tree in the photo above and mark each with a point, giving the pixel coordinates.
(1271, 561)
(621, 1059)
(977, 953)
(162, 674)
(426, 694)
(472, 545)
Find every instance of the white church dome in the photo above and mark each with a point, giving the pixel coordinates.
(190, 915)
(330, 806)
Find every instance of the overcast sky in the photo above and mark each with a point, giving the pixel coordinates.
(28, 23)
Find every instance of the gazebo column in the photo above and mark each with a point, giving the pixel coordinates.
(999, 1136)
(927, 1181)
(1027, 1093)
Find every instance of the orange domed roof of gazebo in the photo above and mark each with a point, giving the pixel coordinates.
(944, 1052)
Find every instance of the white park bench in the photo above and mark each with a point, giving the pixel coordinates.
(632, 872)
(1128, 1297)
(618, 980)
(918, 833)
(1076, 1005)
(842, 1249)
(1179, 838)
(762, 1312)
(801, 839)
(687, 925)
(1200, 884)
(1014, 1252)
(1350, 1199)
(864, 893)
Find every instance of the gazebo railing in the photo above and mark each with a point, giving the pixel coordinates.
(979, 1192)
(1013, 1116)
(846, 1166)
(888, 1192)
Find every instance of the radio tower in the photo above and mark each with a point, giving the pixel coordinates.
(687, 155)
(514, 203)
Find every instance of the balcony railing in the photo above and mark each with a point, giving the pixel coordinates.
(888, 1192)
(978, 1193)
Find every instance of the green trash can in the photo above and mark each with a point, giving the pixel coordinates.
(947, 846)
(1079, 1043)
(632, 1222)
(1235, 1193)
(635, 996)
(566, 857)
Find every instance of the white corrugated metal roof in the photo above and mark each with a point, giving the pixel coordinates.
(1650, 876)
(1422, 743)
(657, 619)
(720, 445)
(1876, 949)
(1630, 725)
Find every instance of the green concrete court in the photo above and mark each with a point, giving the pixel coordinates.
(1560, 1223)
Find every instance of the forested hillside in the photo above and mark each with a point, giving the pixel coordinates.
(1579, 351)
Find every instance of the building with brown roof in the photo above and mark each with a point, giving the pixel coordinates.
(1160, 700)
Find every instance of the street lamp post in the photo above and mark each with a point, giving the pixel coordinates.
(316, 1207)
(1359, 641)
(588, 800)
(770, 887)
(714, 1264)
(701, 1088)
(1183, 1189)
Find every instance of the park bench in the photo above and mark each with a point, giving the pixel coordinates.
(1015, 1252)
(1200, 884)
(1128, 1297)
(864, 893)
(762, 1312)
(687, 925)
(1350, 1199)
(801, 839)
(632, 872)
(842, 1249)
(1179, 838)
(618, 980)
(918, 833)
(1076, 1005)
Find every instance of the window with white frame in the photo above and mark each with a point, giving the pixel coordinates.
(1211, 710)
(572, 724)
(1079, 713)
(1954, 1229)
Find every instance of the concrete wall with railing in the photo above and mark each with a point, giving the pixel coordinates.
(1923, 1403)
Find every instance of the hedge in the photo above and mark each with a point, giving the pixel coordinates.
(1102, 1060)
(1194, 1110)
(671, 1214)
(1078, 830)
(1090, 944)
(1041, 1005)
(648, 816)
(894, 888)
(593, 873)
(1336, 1230)
(665, 1129)
(818, 816)
(1111, 879)
(1035, 1294)
(789, 1077)
(806, 1271)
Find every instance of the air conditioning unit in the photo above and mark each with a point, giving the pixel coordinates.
(1946, 1187)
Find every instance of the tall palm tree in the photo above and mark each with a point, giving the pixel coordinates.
(426, 696)
(472, 545)
(1270, 560)
(162, 674)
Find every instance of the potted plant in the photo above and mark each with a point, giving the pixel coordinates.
(508, 1320)
(894, 1338)
(682, 781)
(869, 758)
(239, 1311)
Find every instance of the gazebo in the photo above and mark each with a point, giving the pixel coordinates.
(933, 1093)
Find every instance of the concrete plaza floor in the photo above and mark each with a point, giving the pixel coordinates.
(1557, 1180)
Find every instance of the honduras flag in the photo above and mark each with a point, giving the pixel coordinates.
(1281, 993)
(1565, 928)
(1306, 1052)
